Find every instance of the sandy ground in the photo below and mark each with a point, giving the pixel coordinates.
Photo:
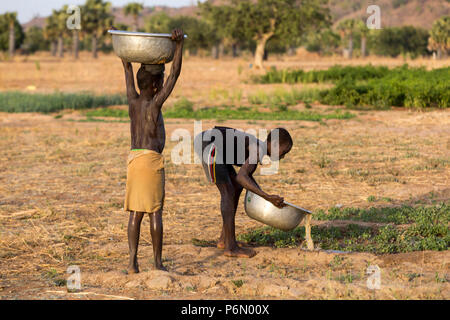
(62, 185)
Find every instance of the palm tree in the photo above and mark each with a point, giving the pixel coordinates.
(75, 43)
(55, 31)
(134, 9)
(61, 29)
(97, 19)
(347, 29)
(75, 34)
(50, 33)
(11, 17)
(364, 32)
(440, 36)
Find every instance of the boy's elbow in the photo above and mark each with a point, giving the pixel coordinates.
(240, 179)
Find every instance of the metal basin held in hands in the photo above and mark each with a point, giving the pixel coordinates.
(262, 210)
(146, 48)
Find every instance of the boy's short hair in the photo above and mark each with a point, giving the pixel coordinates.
(145, 78)
(284, 137)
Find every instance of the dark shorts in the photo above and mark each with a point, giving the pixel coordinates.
(215, 172)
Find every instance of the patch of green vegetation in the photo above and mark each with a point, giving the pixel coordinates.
(347, 277)
(396, 215)
(53, 276)
(412, 276)
(335, 73)
(203, 243)
(428, 230)
(191, 289)
(184, 104)
(380, 87)
(46, 103)
(278, 103)
(107, 112)
(351, 238)
(91, 119)
(238, 283)
(283, 98)
(230, 113)
(401, 87)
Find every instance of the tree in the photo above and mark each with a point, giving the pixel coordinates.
(59, 23)
(260, 20)
(55, 31)
(11, 17)
(197, 29)
(217, 20)
(347, 29)
(158, 23)
(440, 36)
(35, 40)
(324, 43)
(75, 43)
(11, 33)
(400, 40)
(6, 41)
(67, 12)
(134, 9)
(51, 33)
(97, 19)
(363, 32)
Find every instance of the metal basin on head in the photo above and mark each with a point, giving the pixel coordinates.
(146, 48)
(264, 211)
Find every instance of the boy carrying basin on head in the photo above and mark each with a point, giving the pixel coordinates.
(145, 171)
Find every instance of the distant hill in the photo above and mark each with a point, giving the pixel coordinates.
(35, 22)
(419, 13)
(120, 16)
(394, 13)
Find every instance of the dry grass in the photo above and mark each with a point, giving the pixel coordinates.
(62, 185)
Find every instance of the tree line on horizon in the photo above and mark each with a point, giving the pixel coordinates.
(261, 27)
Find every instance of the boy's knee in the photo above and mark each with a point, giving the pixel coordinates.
(227, 189)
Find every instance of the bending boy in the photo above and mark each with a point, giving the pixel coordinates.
(221, 149)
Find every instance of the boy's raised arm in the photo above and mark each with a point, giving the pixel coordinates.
(161, 97)
(129, 79)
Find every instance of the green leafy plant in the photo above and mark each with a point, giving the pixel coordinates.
(427, 230)
(379, 87)
(238, 283)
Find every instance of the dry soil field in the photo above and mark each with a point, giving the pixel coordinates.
(62, 185)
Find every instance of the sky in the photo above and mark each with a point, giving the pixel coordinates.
(27, 9)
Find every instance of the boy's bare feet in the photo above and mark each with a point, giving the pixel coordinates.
(132, 269)
(239, 252)
(221, 244)
(161, 267)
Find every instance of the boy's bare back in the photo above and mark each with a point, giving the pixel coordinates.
(147, 123)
